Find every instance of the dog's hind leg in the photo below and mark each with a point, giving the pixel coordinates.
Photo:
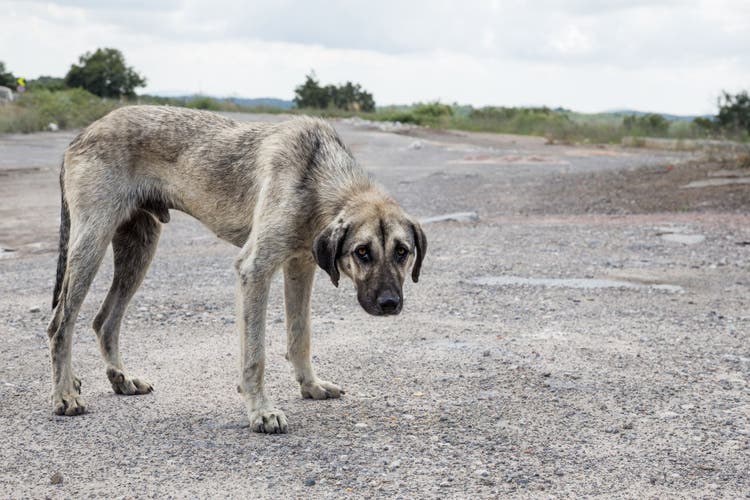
(133, 245)
(87, 248)
(298, 281)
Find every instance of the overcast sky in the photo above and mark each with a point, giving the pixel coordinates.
(589, 55)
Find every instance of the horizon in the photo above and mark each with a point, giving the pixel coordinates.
(175, 94)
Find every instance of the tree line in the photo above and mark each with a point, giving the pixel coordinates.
(103, 72)
(347, 97)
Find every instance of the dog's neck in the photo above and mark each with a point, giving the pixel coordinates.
(345, 197)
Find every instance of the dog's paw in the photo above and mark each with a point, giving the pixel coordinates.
(268, 420)
(68, 403)
(127, 386)
(320, 389)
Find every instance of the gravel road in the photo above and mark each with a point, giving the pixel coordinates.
(588, 335)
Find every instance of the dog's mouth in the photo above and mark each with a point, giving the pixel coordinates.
(390, 307)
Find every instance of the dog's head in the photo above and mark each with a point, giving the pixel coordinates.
(374, 243)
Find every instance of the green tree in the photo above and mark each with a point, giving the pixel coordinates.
(310, 94)
(6, 77)
(349, 97)
(734, 112)
(352, 97)
(105, 74)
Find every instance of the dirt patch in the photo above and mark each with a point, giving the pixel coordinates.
(646, 190)
(539, 355)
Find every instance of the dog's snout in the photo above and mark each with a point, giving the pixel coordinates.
(389, 303)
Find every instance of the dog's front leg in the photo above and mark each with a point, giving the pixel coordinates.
(298, 281)
(255, 273)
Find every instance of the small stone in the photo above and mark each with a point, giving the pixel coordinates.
(627, 425)
(482, 472)
(310, 482)
(686, 239)
(668, 415)
(454, 217)
(558, 472)
(56, 478)
(486, 353)
(34, 309)
(360, 425)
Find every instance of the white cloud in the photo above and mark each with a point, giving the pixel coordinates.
(572, 41)
(671, 56)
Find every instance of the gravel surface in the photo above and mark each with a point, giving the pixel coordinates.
(577, 338)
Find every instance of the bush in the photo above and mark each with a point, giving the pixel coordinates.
(400, 116)
(646, 125)
(734, 113)
(534, 121)
(34, 111)
(433, 113)
(46, 83)
(204, 103)
(703, 126)
(7, 79)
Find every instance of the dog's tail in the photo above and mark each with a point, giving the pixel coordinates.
(62, 257)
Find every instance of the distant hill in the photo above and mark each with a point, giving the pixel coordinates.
(672, 118)
(256, 102)
(267, 102)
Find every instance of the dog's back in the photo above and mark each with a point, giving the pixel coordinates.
(160, 157)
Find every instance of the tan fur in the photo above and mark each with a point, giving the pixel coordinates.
(288, 194)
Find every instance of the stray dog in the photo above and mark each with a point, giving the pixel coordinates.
(289, 194)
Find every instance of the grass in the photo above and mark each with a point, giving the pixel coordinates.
(209, 104)
(72, 108)
(556, 125)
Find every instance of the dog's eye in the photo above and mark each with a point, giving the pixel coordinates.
(363, 253)
(401, 253)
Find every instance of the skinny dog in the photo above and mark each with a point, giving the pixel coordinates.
(289, 194)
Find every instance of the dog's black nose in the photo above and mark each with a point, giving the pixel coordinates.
(389, 303)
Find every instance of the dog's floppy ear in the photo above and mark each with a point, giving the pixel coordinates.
(327, 249)
(420, 240)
